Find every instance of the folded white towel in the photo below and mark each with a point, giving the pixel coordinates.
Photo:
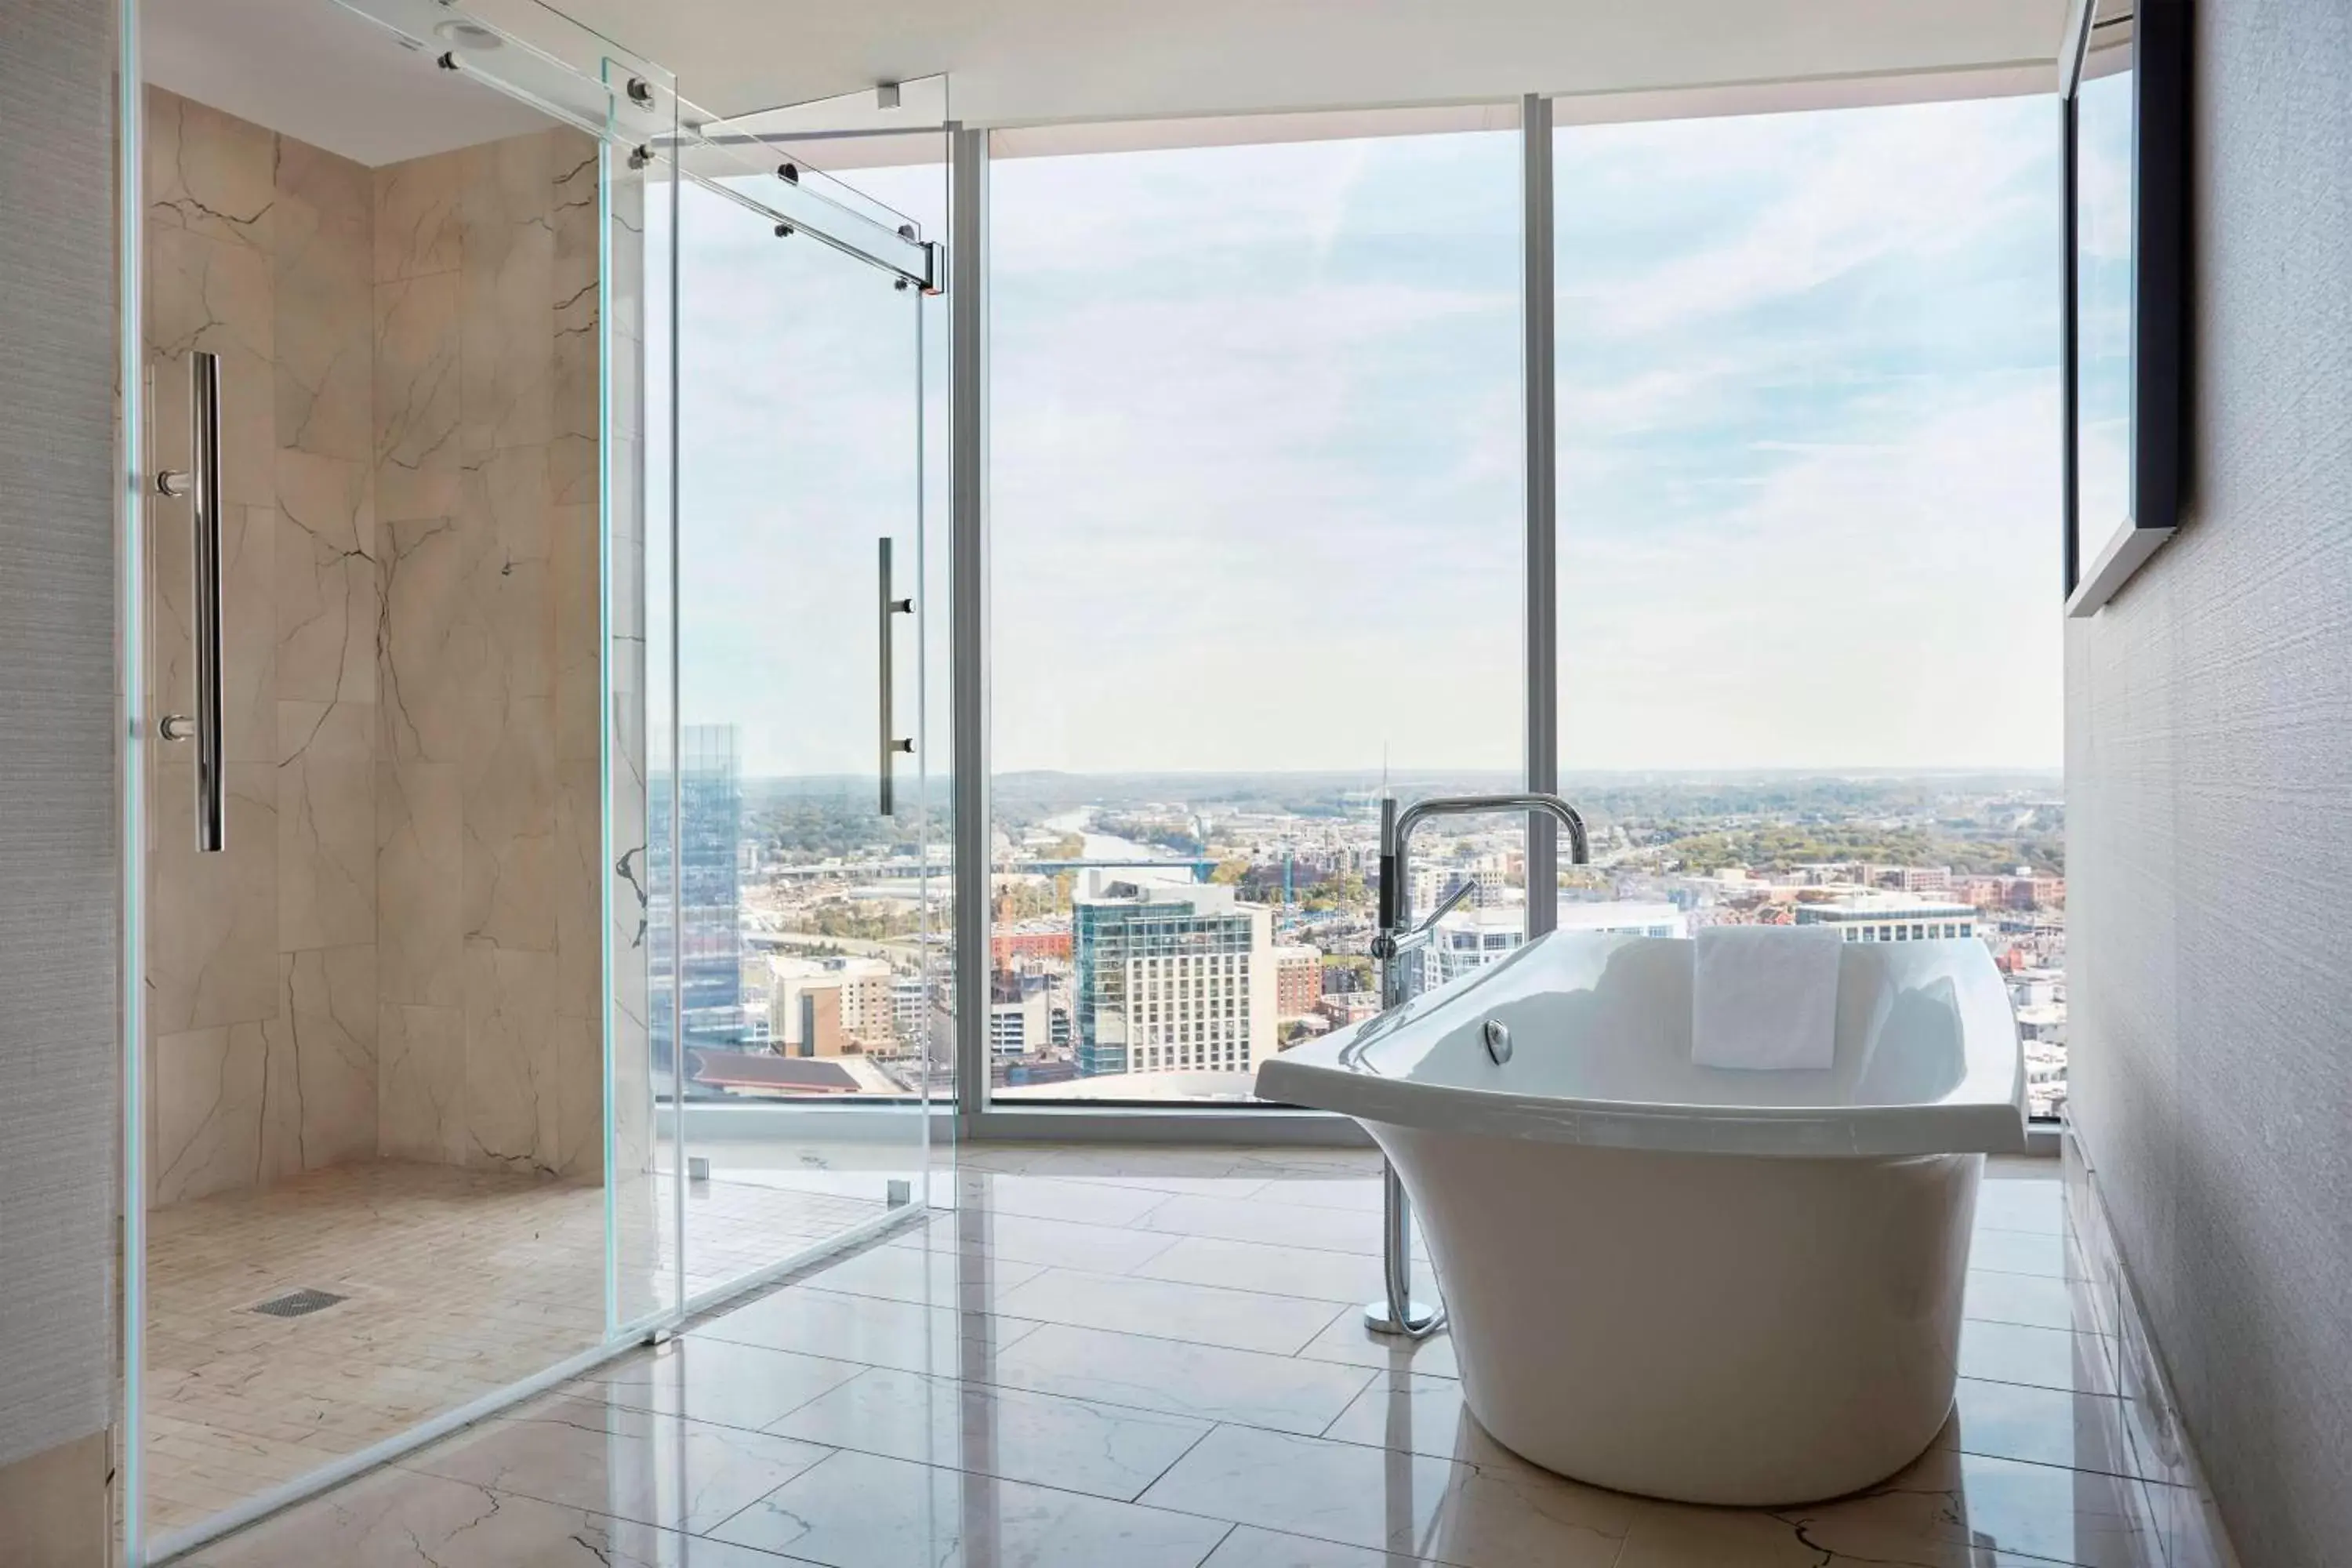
(1765, 996)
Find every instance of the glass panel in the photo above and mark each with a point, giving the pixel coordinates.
(1257, 542)
(790, 990)
(1810, 664)
(376, 1075)
(2103, 297)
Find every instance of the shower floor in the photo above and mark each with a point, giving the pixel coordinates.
(456, 1283)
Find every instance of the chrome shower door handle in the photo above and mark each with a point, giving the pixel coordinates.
(200, 482)
(893, 744)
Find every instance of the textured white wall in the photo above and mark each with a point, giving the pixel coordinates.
(56, 721)
(2208, 772)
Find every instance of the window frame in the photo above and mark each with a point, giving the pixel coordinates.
(976, 1116)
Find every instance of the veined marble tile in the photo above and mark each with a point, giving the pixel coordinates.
(1250, 1547)
(417, 356)
(506, 291)
(1947, 1510)
(945, 1277)
(212, 925)
(860, 1511)
(509, 799)
(1348, 1340)
(323, 1042)
(576, 892)
(503, 512)
(577, 648)
(1474, 1516)
(715, 1380)
(206, 1106)
(576, 1066)
(1061, 1243)
(632, 1463)
(1418, 1413)
(207, 172)
(324, 336)
(214, 295)
(510, 1106)
(1277, 1270)
(432, 644)
(2047, 1358)
(1044, 1438)
(869, 1331)
(416, 223)
(1043, 1197)
(1206, 1382)
(1199, 1314)
(421, 1083)
(326, 826)
(1276, 1225)
(327, 585)
(578, 224)
(420, 894)
(400, 1518)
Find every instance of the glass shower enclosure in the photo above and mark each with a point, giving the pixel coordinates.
(517, 560)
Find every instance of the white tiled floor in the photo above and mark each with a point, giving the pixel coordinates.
(1143, 1357)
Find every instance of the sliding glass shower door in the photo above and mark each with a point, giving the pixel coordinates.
(796, 1022)
(389, 1152)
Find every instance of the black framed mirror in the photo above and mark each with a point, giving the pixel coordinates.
(2123, 80)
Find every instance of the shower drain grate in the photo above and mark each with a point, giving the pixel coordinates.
(299, 1304)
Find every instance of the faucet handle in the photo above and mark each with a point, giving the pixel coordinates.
(1445, 905)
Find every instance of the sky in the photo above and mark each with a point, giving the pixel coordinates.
(1256, 457)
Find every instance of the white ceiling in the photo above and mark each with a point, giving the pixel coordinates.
(1029, 61)
(313, 70)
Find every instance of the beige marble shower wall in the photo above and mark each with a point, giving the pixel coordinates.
(261, 959)
(488, 911)
(399, 951)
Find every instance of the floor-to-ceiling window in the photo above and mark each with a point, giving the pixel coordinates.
(1809, 575)
(1255, 534)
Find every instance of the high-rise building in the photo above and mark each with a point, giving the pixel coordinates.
(702, 939)
(1171, 977)
(1297, 980)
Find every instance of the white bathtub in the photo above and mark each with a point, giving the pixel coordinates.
(1709, 1285)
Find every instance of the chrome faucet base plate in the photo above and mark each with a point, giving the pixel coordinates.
(1420, 1320)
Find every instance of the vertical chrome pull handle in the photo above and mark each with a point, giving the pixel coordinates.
(200, 482)
(893, 744)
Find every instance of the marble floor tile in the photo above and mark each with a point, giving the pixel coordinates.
(1277, 1224)
(1472, 1516)
(1250, 1547)
(1045, 1438)
(2041, 1425)
(715, 1380)
(2050, 1256)
(397, 1519)
(971, 1281)
(2047, 1358)
(1353, 1195)
(1236, 1188)
(1416, 1413)
(1201, 1314)
(1951, 1510)
(1059, 1244)
(1275, 1270)
(861, 1511)
(2031, 1300)
(1206, 1382)
(1348, 1340)
(2032, 1203)
(871, 1331)
(631, 1464)
(1046, 1197)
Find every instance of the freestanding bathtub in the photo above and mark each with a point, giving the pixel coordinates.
(1715, 1286)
